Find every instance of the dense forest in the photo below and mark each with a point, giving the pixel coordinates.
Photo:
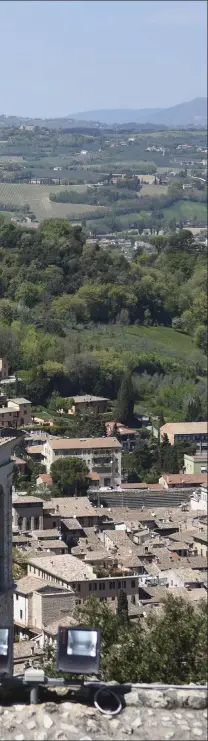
(57, 293)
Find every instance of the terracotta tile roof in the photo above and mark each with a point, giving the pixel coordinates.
(18, 461)
(184, 428)
(185, 478)
(94, 476)
(45, 478)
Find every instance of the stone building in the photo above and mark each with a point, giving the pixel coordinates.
(27, 513)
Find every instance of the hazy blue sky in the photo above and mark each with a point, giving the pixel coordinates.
(60, 57)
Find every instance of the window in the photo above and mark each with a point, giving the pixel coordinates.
(17, 596)
(133, 583)
(90, 587)
(124, 584)
(112, 585)
(102, 585)
(21, 614)
(36, 523)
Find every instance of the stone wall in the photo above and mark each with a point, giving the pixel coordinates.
(47, 608)
(141, 717)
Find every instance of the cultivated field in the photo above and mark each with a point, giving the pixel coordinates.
(5, 158)
(147, 178)
(153, 190)
(186, 210)
(38, 198)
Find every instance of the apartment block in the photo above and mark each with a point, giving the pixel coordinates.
(69, 572)
(101, 455)
(191, 431)
(195, 463)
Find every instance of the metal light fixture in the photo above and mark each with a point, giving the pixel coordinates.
(78, 650)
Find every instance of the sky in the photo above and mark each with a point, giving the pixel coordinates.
(58, 58)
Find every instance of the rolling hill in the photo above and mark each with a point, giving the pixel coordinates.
(193, 112)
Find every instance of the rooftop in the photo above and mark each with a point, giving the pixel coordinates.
(68, 507)
(45, 477)
(20, 400)
(185, 478)
(66, 443)
(87, 398)
(56, 543)
(198, 458)
(120, 539)
(185, 428)
(30, 583)
(65, 567)
(94, 476)
(18, 461)
(34, 449)
(192, 595)
(64, 620)
(45, 534)
(27, 500)
(71, 523)
(190, 575)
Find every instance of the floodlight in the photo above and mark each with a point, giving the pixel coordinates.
(78, 650)
(6, 641)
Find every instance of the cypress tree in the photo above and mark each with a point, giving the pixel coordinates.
(122, 607)
(125, 400)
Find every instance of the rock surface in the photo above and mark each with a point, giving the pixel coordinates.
(72, 721)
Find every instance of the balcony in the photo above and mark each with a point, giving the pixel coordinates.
(103, 469)
(102, 457)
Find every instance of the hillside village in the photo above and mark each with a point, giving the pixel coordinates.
(144, 539)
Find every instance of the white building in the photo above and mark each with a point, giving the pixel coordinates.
(102, 455)
(199, 499)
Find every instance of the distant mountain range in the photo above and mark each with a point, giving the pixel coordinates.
(193, 113)
(184, 114)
